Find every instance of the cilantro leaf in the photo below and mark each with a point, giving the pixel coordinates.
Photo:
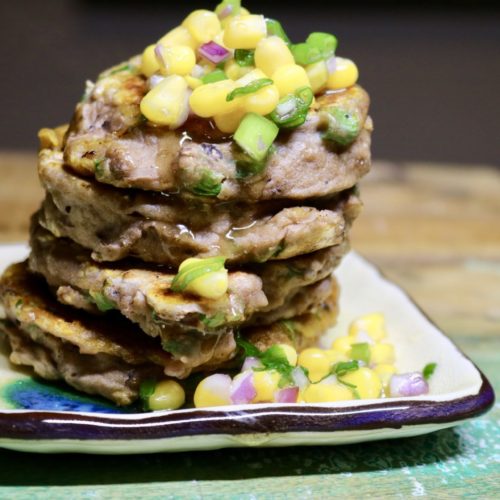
(428, 370)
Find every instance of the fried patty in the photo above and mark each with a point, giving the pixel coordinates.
(109, 140)
(116, 223)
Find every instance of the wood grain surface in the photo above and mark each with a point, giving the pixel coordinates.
(434, 229)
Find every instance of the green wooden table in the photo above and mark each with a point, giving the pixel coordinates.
(433, 229)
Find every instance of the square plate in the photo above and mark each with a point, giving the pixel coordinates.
(40, 417)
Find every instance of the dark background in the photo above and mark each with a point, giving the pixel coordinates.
(432, 69)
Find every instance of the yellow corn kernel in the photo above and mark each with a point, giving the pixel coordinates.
(149, 63)
(167, 103)
(345, 74)
(290, 353)
(244, 31)
(289, 78)
(193, 82)
(326, 392)
(343, 344)
(210, 99)
(213, 390)
(382, 353)
(168, 395)
(229, 122)
(178, 36)
(263, 101)
(372, 324)
(211, 285)
(178, 60)
(271, 53)
(203, 25)
(316, 362)
(367, 382)
(265, 383)
(385, 372)
(318, 75)
(219, 39)
(335, 356)
(234, 71)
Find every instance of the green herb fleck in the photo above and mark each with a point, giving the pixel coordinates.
(279, 248)
(101, 301)
(249, 88)
(194, 270)
(19, 303)
(244, 57)
(428, 370)
(98, 167)
(214, 321)
(344, 367)
(215, 76)
(175, 347)
(289, 328)
(293, 271)
(146, 390)
(120, 69)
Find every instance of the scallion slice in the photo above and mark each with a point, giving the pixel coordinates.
(194, 270)
(342, 126)
(325, 42)
(255, 135)
(292, 109)
(244, 57)
(317, 47)
(215, 76)
(208, 184)
(249, 88)
(361, 352)
(101, 301)
(274, 28)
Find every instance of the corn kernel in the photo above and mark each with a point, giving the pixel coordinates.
(318, 75)
(343, 344)
(372, 324)
(345, 75)
(211, 285)
(193, 82)
(263, 101)
(167, 103)
(229, 122)
(203, 25)
(210, 99)
(290, 353)
(265, 383)
(243, 12)
(326, 392)
(168, 395)
(149, 63)
(245, 31)
(271, 53)
(316, 362)
(367, 382)
(234, 71)
(178, 36)
(289, 78)
(335, 356)
(382, 353)
(213, 390)
(219, 39)
(178, 60)
(385, 372)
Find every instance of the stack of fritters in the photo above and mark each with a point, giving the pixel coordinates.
(126, 203)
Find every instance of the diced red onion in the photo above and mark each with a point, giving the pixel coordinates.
(286, 395)
(331, 65)
(213, 52)
(250, 363)
(242, 388)
(226, 11)
(300, 378)
(408, 384)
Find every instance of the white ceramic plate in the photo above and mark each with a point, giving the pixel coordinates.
(53, 420)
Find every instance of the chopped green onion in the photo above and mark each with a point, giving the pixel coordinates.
(325, 42)
(194, 270)
(255, 135)
(343, 367)
(428, 370)
(98, 167)
(290, 329)
(249, 88)
(292, 109)
(361, 352)
(214, 321)
(176, 347)
(244, 57)
(215, 76)
(342, 126)
(120, 69)
(246, 167)
(274, 28)
(101, 301)
(146, 390)
(209, 184)
(235, 6)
